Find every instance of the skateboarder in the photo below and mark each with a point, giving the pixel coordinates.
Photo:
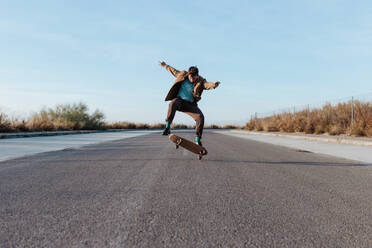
(184, 95)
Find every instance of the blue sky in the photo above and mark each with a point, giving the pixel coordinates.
(267, 54)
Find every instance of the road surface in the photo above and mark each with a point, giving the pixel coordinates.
(142, 192)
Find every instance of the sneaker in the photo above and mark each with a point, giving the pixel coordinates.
(198, 143)
(166, 131)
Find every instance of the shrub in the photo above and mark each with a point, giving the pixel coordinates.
(230, 126)
(19, 125)
(65, 117)
(213, 126)
(336, 130)
(5, 125)
(40, 122)
(358, 130)
(121, 125)
(250, 125)
(76, 116)
(309, 128)
(334, 120)
(157, 126)
(180, 126)
(142, 126)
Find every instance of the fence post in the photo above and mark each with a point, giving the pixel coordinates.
(308, 111)
(255, 119)
(352, 111)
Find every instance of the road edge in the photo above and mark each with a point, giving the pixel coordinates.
(332, 139)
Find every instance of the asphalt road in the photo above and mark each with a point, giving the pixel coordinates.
(142, 192)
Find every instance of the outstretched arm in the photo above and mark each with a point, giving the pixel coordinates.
(210, 86)
(169, 68)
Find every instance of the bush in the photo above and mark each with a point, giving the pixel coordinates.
(120, 125)
(157, 126)
(358, 130)
(213, 126)
(142, 126)
(250, 125)
(336, 130)
(5, 125)
(334, 120)
(65, 117)
(180, 126)
(76, 116)
(309, 128)
(230, 127)
(41, 122)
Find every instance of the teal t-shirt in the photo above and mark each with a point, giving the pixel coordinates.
(186, 90)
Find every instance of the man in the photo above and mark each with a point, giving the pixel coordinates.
(184, 95)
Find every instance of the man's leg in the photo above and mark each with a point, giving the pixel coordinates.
(174, 105)
(193, 110)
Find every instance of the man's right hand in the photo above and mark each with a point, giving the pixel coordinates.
(162, 64)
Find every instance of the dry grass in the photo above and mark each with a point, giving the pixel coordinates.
(229, 126)
(334, 120)
(132, 125)
(63, 117)
(76, 117)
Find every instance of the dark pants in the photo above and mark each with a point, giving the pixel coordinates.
(188, 108)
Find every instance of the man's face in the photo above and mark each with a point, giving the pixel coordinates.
(193, 77)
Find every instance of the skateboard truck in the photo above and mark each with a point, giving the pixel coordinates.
(178, 143)
(200, 155)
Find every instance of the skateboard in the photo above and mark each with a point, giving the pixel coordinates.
(188, 145)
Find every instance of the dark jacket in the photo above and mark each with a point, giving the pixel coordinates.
(200, 85)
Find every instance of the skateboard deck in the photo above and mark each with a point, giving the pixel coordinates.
(188, 145)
